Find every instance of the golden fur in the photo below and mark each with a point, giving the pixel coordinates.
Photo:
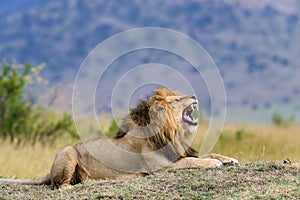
(155, 135)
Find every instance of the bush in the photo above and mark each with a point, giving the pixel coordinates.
(278, 120)
(239, 134)
(113, 128)
(20, 120)
(45, 126)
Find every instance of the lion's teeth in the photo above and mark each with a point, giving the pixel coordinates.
(191, 114)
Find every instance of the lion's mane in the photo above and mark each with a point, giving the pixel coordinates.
(169, 137)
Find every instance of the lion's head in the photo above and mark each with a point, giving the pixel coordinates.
(167, 120)
(180, 111)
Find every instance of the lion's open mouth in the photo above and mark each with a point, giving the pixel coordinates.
(190, 114)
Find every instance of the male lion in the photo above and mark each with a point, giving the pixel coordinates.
(155, 135)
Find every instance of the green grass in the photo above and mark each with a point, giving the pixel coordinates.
(266, 180)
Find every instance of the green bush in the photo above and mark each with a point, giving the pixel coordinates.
(113, 128)
(20, 120)
(45, 126)
(278, 120)
(239, 134)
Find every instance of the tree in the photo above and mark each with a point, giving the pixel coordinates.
(20, 119)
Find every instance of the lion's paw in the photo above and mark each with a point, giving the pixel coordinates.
(230, 161)
(212, 163)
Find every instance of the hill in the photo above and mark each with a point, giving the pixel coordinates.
(255, 45)
(249, 181)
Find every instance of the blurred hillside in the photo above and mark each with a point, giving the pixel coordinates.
(254, 44)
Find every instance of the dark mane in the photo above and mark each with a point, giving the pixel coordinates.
(139, 115)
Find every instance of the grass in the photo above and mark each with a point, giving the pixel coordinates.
(265, 180)
(29, 161)
(257, 143)
(261, 175)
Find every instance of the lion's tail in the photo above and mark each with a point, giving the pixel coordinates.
(46, 180)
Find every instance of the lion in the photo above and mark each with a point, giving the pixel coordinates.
(155, 135)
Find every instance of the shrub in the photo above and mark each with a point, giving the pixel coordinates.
(113, 128)
(278, 120)
(45, 126)
(20, 120)
(239, 134)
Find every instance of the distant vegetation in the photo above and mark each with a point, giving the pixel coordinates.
(21, 120)
(279, 120)
(113, 128)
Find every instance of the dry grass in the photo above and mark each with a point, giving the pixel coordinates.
(29, 161)
(257, 143)
(261, 143)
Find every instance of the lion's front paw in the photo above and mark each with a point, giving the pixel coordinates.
(230, 161)
(212, 163)
(223, 159)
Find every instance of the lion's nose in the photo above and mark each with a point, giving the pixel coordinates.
(193, 97)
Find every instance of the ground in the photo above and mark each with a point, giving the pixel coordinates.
(264, 180)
